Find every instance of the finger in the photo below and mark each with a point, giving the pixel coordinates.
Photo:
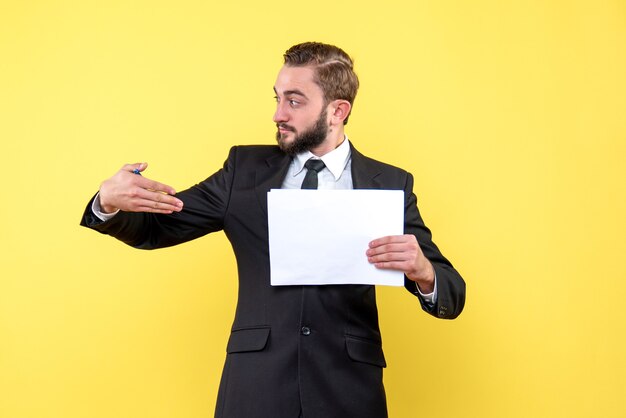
(137, 166)
(392, 248)
(154, 207)
(390, 257)
(149, 198)
(392, 265)
(153, 210)
(155, 186)
(390, 240)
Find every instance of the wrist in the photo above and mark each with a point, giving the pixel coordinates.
(425, 278)
(105, 207)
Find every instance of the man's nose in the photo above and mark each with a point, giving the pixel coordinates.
(280, 115)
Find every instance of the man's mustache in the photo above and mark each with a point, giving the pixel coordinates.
(285, 127)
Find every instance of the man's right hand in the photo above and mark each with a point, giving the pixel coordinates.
(130, 192)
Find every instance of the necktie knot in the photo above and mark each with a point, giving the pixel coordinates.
(317, 165)
(313, 167)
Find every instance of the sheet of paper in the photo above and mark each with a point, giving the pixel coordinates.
(320, 236)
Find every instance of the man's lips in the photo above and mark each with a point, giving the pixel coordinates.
(283, 129)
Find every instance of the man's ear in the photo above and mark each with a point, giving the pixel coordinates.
(339, 111)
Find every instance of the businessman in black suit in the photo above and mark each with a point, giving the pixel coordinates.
(294, 351)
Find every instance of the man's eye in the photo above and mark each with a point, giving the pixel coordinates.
(294, 102)
(276, 99)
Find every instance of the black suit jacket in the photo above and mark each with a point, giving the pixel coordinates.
(315, 349)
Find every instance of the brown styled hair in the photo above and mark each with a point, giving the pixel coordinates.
(334, 71)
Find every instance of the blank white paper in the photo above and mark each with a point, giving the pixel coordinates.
(320, 237)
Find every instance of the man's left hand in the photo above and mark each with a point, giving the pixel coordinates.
(403, 253)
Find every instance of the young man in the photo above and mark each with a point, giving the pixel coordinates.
(309, 351)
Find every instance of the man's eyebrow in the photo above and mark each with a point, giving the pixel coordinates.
(292, 92)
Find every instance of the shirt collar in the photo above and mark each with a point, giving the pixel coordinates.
(335, 160)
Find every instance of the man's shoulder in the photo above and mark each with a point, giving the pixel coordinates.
(373, 164)
(267, 150)
(255, 152)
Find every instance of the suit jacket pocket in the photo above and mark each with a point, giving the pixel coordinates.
(248, 339)
(365, 351)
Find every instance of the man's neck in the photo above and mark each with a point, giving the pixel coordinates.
(332, 141)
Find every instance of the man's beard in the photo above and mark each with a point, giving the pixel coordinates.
(307, 140)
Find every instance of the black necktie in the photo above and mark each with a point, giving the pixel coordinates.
(313, 167)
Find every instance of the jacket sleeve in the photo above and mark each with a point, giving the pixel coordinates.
(204, 208)
(450, 284)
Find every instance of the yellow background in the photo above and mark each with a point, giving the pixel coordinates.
(510, 114)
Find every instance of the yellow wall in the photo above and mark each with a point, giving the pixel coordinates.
(510, 114)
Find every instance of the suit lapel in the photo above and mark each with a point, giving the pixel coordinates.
(270, 176)
(364, 173)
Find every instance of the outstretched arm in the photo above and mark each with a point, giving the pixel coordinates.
(150, 216)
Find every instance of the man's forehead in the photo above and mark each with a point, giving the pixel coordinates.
(298, 80)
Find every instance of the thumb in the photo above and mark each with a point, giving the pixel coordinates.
(137, 167)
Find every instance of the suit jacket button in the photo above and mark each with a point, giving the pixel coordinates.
(305, 331)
